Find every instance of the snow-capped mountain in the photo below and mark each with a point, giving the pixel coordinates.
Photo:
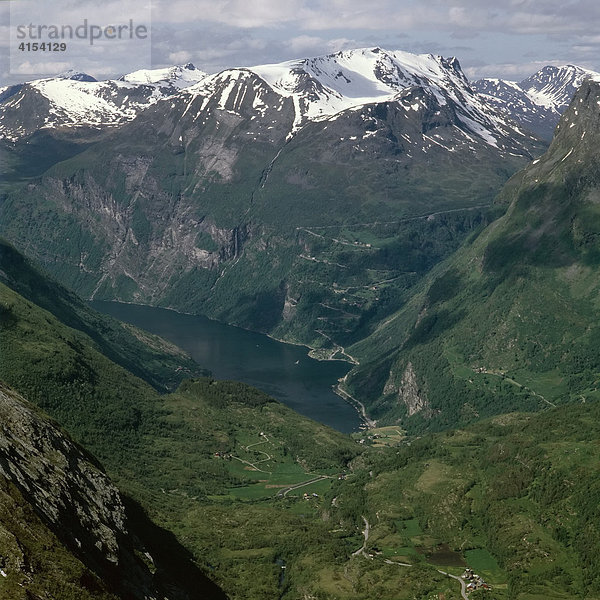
(538, 101)
(554, 87)
(177, 77)
(75, 99)
(319, 88)
(325, 86)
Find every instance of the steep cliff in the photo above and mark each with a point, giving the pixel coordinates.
(65, 530)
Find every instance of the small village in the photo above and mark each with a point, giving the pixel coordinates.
(309, 496)
(225, 455)
(476, 582)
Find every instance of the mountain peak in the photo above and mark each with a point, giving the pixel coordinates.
(320, 88)
(75, 76)
(538, 101)
(554, 86)
(329, 84)
(179, 76)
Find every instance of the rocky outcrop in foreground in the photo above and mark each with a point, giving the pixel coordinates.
(66, 531)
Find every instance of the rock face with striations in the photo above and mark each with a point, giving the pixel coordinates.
(66, 531)
(67, 489)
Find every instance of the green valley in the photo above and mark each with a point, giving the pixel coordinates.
(392, 234)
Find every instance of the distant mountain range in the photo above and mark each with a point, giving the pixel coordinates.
(319, 87)
(538, 101)
(211, 198)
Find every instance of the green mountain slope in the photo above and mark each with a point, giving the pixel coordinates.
(510, 322)
(205, 462)
(161, 364)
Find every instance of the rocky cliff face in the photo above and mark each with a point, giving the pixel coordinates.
(71, 493)
(409, 392)
(68, 532)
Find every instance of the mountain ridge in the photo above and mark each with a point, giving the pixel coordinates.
(538, 101)
(77, 100)
(320, 87)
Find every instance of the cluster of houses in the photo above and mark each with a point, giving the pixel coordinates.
(369, 439)
(226, 455)
(476, 582)
(309, 496)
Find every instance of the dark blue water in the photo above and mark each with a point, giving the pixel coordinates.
(283, 371)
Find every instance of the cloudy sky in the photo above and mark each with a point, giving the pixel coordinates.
(499, 38)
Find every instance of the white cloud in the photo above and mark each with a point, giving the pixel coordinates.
(523, 17)
(180, 58)
(28, 68)
(303, 43)
(236, 13)
(307, 45)
(503, 35)
(66, 11)
(4, 36)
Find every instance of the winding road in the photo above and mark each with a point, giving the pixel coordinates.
(463, 585)
(258, 462)
(366, 532)
(520, 385)
(362, 551)
(358, 405)
(284, 492)
(252, 464)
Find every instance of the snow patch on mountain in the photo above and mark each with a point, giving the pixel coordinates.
(77, 99)
(327, 85)
(83, 104)
(553, 87)
(538, 101)
(180, 77)
(75, 75)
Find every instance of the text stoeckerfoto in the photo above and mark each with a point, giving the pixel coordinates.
(85, 31)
